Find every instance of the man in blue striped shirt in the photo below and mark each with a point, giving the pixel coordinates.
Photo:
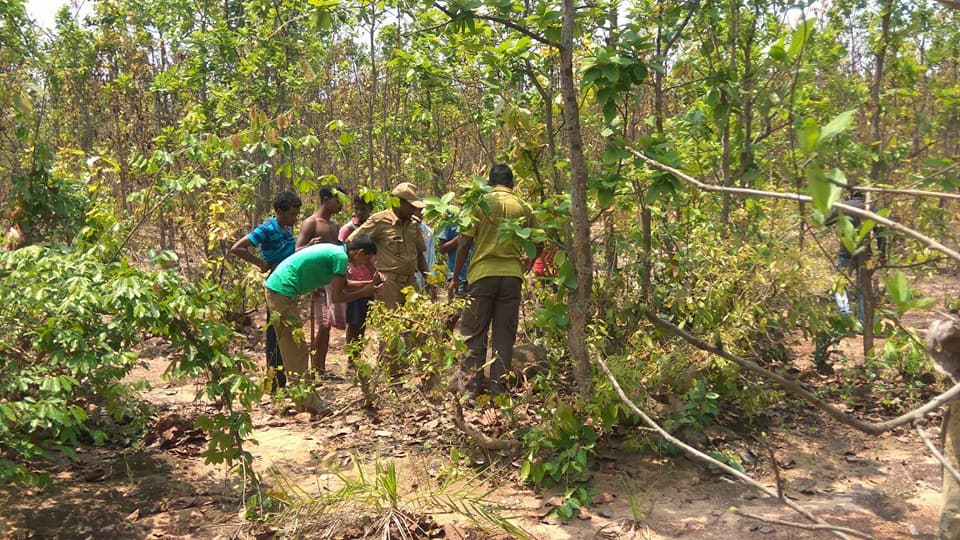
(275, 239)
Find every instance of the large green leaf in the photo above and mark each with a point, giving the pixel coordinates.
(821, 189)
(800, 36)
(836, 126)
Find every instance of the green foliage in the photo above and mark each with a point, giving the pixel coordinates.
(727, 458)
(827, 338)
(416, 339)
(382, 502)
(558, 452)
(48, 206)
(700, 406)
(70, 324)
(904, 299)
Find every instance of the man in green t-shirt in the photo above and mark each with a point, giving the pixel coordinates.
(304, 272)
(494, 283)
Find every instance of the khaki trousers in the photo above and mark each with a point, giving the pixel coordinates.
(391, 292)
(293, 346)
(494, 302)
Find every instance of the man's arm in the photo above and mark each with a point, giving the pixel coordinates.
(241, 248)
(422, 263)
(449, 245)
(339, 292)
(463, 249)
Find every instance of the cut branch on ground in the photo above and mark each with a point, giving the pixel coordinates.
(700, 456)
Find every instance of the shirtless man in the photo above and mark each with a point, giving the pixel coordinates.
(320, 228)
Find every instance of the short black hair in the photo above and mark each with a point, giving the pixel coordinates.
(328, 192)
(363, 242)
(286, 200)
(501, 175)
(358, 200)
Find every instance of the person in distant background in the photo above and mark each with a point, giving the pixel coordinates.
(320, 228)
(361, 212)
(429, 257)
(275, 239)
(847, 262)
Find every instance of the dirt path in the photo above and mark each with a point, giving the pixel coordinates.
(885, 486)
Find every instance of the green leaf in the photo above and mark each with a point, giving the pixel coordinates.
(897, 289)
(611, 72)
(823, 192)
(836, 126)
(777, 52)
(800, 37)
(605, 197)
(807, 135)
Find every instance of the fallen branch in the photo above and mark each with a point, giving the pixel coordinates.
(815, 527)
(481, 439)
(697, 454)
(936, 453)
(798, 390)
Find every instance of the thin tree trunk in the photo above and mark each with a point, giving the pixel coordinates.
(579, 230)
(863, 275)
(371, 169)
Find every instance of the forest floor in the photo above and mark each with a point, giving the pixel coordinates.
(886, 486)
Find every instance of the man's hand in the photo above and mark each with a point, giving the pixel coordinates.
(264, 266)
(452, 289)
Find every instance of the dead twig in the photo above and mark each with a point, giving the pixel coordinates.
(481, 439)
(776, 468)
(697, 454)
(807, 526)
(936, 453)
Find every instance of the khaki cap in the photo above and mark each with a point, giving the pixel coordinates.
(408, 192)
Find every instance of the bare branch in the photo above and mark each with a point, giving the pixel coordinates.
(913, 192)
(847, 209)
(697, 454)
(936, 453)
(798, 390)
(481, 439)
(505, 22)
(831, 528)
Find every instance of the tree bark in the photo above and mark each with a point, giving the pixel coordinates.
(580, 253)
(865, 275)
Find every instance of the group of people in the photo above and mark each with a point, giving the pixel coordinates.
(374, 258)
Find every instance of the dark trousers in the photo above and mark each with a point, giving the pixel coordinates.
(494, 302)
(274, 359)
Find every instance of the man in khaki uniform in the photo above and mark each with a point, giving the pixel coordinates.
(400, 246)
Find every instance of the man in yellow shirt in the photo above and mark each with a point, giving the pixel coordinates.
(494, 283)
